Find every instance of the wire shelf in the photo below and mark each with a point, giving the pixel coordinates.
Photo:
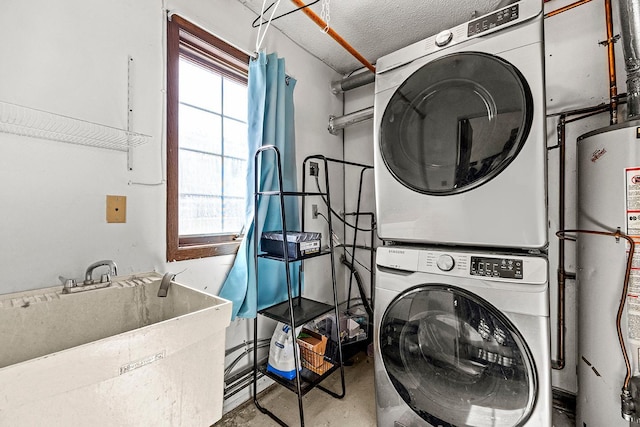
(25, 121)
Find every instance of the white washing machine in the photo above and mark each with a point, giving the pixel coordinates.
(461, 339)
(460, 140)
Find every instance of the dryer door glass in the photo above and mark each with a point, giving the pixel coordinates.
(456, 123)
(456, 360)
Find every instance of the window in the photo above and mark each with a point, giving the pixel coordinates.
(206, 143)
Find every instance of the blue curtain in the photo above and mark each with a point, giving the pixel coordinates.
(270, 122)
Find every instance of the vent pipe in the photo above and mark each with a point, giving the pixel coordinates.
(630, 29)
(352, 82)
(337, 123)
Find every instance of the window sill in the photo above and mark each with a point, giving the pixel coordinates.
(188, 252)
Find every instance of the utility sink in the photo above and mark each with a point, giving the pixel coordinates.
(118, 356)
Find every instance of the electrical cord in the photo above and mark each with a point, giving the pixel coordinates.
(363, 295)
(337, 215)
(345, 246)
(625, 287)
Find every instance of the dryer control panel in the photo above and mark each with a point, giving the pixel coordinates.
(492, 20)
(508, 268)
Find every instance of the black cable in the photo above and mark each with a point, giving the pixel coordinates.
(345, 246)
(363, 295)
(337, 215)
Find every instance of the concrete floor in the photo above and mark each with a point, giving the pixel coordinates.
(356, 409)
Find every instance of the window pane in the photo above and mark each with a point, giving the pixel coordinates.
(235, 100)
(235, 139)
(200, 214)
(233, 214)
(235, 177)
(199, 86)
(199, 130)
(200, 173)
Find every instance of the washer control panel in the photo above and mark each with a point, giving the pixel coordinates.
(486, 266)
(507, 268)
(489, 22)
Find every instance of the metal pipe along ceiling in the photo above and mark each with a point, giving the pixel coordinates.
(630, 29)
(352, 82)
(337, 123)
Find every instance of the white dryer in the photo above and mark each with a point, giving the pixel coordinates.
(461, 339)
(460, 140)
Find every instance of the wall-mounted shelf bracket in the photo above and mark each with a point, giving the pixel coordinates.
(129, 111)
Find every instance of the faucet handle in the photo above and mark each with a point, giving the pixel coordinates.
(105, 278)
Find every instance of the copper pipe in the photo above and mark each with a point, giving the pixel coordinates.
(625, 288)
(565, 8)
(613, 88)
(320, 23)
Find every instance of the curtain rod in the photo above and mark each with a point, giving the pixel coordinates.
(320, 22)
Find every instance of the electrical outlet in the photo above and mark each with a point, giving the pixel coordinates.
(314, 211)
(313, 169)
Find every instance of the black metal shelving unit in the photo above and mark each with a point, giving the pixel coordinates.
(295, 310)
(349, 349)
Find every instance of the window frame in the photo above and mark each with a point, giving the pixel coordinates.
(191, 41)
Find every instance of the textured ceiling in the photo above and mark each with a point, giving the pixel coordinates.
(373, 27)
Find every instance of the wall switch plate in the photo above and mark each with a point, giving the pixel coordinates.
(116, 208)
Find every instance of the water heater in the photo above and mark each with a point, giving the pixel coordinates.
(608, 200)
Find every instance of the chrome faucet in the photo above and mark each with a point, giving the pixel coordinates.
(113, 271)
(71, 285)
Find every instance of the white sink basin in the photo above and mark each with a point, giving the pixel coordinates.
(117, 356)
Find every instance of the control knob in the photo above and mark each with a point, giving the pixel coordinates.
(443, 38)
(445, 262)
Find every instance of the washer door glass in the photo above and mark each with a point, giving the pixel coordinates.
(456, 360)
(456, 123)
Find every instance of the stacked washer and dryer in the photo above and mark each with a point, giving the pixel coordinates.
(462, 298)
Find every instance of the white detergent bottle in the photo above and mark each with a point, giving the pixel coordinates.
(281, 358)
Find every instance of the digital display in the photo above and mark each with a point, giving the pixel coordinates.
(491, 21)
(506, 268)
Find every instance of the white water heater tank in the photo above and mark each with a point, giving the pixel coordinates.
(608, 200)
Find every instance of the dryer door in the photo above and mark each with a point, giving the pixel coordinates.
(456, 360)
(456, 123)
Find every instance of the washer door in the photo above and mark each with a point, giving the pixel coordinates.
(456, 360)
(456, 123)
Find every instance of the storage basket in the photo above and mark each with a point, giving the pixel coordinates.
(312, 350)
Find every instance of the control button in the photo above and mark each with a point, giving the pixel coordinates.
(443, 38)
(445, 262)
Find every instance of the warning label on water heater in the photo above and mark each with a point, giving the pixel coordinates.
(632, 201)
(632, 211)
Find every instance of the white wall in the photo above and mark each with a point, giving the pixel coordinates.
(70, 58)
(359, 149)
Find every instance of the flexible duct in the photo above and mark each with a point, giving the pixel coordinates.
(630, 30)
(352, 82)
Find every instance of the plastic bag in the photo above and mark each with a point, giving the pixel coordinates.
(281, 358)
